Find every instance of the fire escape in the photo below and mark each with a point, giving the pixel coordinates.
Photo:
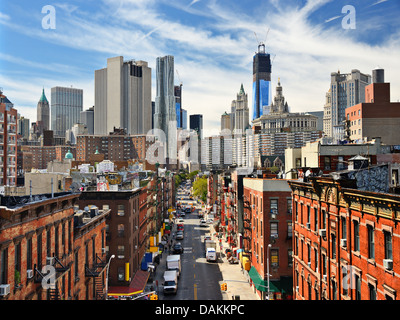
(95, 271)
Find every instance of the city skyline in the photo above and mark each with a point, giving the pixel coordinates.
(213, 44)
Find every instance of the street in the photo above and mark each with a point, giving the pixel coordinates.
(199, 280)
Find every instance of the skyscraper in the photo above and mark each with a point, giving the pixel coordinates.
(123, 97)
(261, 82)
(241, 110)
(184, 119)
(346, 90)
(66, 106)
(196, 123)
(178, 105)
(87, 118)
(43, 114)
(165, 108)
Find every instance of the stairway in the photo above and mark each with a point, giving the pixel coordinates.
(54, 294)
(99, 288)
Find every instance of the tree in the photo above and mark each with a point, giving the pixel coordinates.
(200, 188)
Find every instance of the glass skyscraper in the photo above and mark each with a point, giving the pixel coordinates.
(66, 107)
(261, 82)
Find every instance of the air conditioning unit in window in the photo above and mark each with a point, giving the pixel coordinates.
(308, 225)
(324, 277)
(297, 288)
(388, 264)
(4, 290)
(343, 243)
(273, 216)
(322, 232)
(103, 250)
(49, 261)
(29, 274)
(309, 264)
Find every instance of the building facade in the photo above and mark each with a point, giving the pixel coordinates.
(66, 106)
(87, 118)
(241, 110)
(43, 114)
(123, 97)
(344, 242)
(261, 82)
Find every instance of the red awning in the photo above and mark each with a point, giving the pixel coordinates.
(136, 286)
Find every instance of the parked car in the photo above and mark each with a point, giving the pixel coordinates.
(179, 235)
(203, 223)
(210, 221)
(177, 248)
(179, 227)
(188, 210)
(180, 221)
(207, 238)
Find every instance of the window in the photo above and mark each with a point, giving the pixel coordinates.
(345, 285)
(76, 265)
(121, 230)
(371, 242)
(308, 214)
(121, 210)
(48, 243)
(290, 257)
(290, 229)
(315, 219)
(327, 163)
(308, 252)
(121, 252)
(17, 264)
(333, 239)
(356, 236)
(344, 227)
(334, 290)
(316, 258)
(289, 206)
(388, 245)
(274, 206)
(324, 264)
(3, 266)
(358, 287)
(29, 254)
(323, 219)
(56, 243)
(274, 257)
(39, 251)
(121, 274)
(274, 230)
(372, 292)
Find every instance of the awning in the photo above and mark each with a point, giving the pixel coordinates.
(262, 285)
(136, 286)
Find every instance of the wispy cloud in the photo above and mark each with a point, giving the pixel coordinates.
(378, 2)
(333, 18)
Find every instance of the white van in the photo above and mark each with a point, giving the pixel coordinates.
(211, 254)
(170, 283)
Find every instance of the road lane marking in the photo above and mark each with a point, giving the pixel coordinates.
(195, 291)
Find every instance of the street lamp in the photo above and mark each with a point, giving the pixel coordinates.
(269, 247)
(108, 268)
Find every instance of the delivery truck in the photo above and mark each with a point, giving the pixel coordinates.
(170, 283)
(174, 263)
(211, 255)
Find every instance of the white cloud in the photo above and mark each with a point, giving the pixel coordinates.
(215, 58)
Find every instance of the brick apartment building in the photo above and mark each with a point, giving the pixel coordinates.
(125, 278)
(268, 234)
(39, 156)
(344, 241)
(116, 146)
(8, 142)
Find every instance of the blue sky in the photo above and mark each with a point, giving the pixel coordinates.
(213, 42)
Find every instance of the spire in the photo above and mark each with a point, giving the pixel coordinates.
(43, 97)
(241, 89)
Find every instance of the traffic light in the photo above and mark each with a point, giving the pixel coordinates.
(224, 287)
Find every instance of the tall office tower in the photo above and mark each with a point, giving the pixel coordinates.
(66, 107)
(122, 97)
(153, 110)
(261, 82)
(225, 121)
(184, 119)
(196, 123)
(279, 105)
(43, 114)
(165, 112)
(23, 127)
(8, 142)
(241, 108)
(178, 105)
(87, 118)
(346, 90)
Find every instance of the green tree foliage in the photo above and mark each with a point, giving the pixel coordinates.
(200, 188)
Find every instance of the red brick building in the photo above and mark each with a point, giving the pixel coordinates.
(345, 242)
(268, 235)
(42, 155)
(30, 233)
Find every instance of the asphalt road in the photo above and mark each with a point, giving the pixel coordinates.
(199, 280)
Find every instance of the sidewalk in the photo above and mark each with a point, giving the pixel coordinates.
(233, 272)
